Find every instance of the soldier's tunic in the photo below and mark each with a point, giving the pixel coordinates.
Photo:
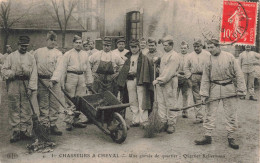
(167, 93)
(78, 73)
(183, 85)
(104, 75)
(16, 68)
(90, 52)
(193, 69)
(121, 53)
(220, 73)
(246, 62)
(47, 61)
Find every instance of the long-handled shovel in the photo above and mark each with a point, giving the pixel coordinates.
(39, 130)
(198, 104)
(154, 121)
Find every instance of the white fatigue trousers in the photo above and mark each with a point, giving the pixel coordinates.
(19, 109)
(75, 86)
(249, 80)
(48, 105)
(229, 105)
(167, 99)
(196, 80)
(136, 102)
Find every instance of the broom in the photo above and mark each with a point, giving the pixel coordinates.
(39, 130)
(154, 124)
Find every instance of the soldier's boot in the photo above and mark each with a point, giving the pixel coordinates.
(232, 144)
(206, 140)
(15, 137)
(55, 131)
(252, 98)
(79, 125)
(68, 126)
(184, 114)
(170, 129)
(163, 127)
(198, 121)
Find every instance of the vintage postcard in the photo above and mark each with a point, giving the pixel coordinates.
(129, 81)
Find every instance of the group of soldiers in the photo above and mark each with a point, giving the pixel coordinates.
(138, 77)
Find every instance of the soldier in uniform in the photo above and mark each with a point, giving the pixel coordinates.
(247, 60)
(183, 85)
(167, 84)
(105, 66)
(91, 46)
(47, 59)
(135, 74)
(75, 65)
(85, 45)
(220, 72)
(143, 45)
(19, 67)
(193, 69)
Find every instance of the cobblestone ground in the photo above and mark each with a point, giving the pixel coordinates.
(91, 145)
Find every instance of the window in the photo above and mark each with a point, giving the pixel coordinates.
(133, 25)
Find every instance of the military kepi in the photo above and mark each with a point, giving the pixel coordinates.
(24, 40)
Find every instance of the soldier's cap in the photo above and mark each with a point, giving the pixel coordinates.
(24, 40)
(151, 40)
(134, 42)
(142, 39)
(76, 37)
(90, 40)
(167, 38)
(8, 46)
(197, 41)
(120, 40)
(51, 35)
(184, 43)
(85, 42)
(107, 41)
(213, 41)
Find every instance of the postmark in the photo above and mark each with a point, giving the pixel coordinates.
(238, 25)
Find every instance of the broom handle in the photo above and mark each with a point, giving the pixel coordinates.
(216, 99)
(30, 102)
(56, 97)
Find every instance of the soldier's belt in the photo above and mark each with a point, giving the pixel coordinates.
(22, 77)
(76, 72)
(222, 83)
(131, 77)
(197, 73)
(44, 76)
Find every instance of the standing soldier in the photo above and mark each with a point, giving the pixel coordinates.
(183, 84)
(193, 69)
(75, 65)
(105, 66)
(220, 72)
(85, 46)
(153, 52)
(135, 74)
(143, 45)
(47, 59)
(166, 85)
(20, 67)
(91, 46)
(121, 51)
(246, 62)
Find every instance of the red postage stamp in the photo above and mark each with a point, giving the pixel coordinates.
(239, 22)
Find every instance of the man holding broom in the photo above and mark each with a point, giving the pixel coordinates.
(47, 59)
(167, 84)
(222, 77)
(18, 67)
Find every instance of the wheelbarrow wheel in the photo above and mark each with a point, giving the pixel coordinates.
(119, 134)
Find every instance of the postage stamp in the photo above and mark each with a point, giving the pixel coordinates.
(239, 22)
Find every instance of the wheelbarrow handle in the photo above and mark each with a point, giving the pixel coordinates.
(113, 106)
